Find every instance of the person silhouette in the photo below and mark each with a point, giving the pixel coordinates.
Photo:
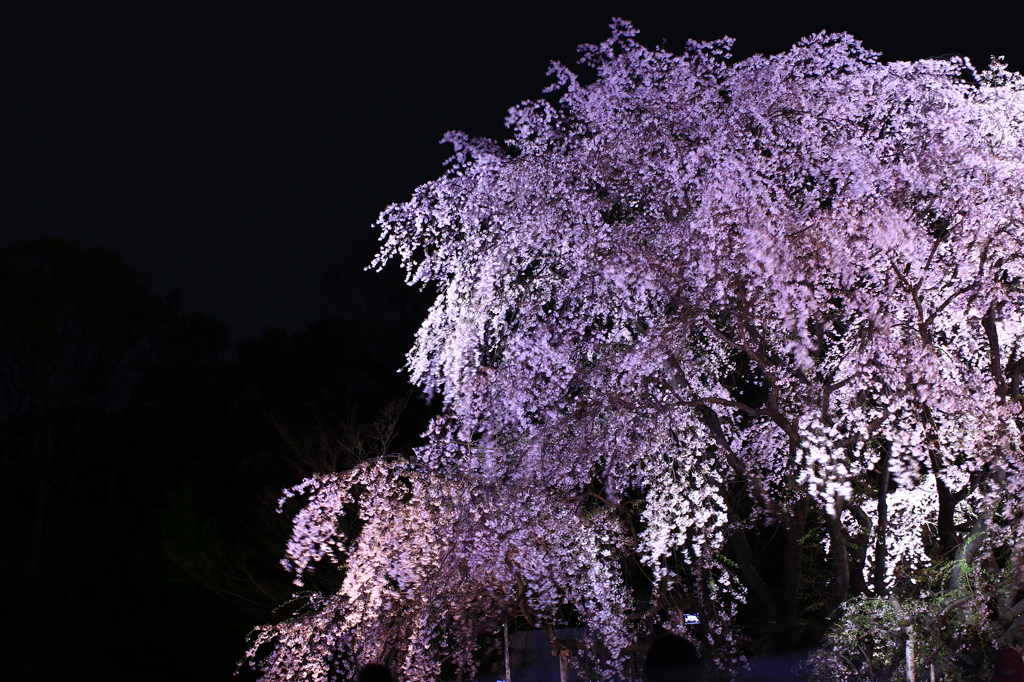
(1009, 666)
(672, 659)
(375, 672)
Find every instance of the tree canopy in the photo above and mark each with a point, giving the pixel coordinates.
(688, 305)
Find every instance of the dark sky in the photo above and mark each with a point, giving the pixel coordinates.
(234, 154)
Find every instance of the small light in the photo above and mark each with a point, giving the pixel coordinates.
(691, 619)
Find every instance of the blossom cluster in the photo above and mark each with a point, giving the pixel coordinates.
(799, 276)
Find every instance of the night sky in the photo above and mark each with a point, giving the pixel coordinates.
(235, 153)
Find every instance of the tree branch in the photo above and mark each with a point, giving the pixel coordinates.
(988, 322)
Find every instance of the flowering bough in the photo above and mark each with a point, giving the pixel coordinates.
(438, 562)
(710, 302)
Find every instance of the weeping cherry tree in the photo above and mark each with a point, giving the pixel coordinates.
(689, 302)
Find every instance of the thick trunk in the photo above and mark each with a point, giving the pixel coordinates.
(948, 540)
(911, 656)
(508, 662)
(792, 570)
(858, 551)
(840, 559)
(883, 522)
(966, 552)
(995, 361)
(746, 563)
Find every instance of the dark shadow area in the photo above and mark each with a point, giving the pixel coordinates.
(139, 468)
(673, 659)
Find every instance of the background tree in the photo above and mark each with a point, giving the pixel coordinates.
(689, 307)
(219, 440)
(76, 330)
(140, 467)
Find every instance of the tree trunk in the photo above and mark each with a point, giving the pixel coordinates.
(948, 540)
(746, 563)
(883, 522)
(858, 551)
(508, 663)
(792, 573)
(840, 558)
(911, 656)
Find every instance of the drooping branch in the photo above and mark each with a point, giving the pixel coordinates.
(914, 291)
(711, 421)
(753, 481)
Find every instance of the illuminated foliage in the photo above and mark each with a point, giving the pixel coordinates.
(712, 297)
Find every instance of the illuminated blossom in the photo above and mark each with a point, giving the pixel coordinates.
(794, 276)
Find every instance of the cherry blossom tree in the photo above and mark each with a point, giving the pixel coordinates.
(686, 302)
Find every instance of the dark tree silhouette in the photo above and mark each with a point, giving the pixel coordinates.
(76, 330)
(140, 468)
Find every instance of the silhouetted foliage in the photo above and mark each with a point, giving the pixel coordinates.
(139, 468)
(77, 328)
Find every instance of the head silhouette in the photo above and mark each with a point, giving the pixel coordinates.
(375, 672)
(672, 659)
